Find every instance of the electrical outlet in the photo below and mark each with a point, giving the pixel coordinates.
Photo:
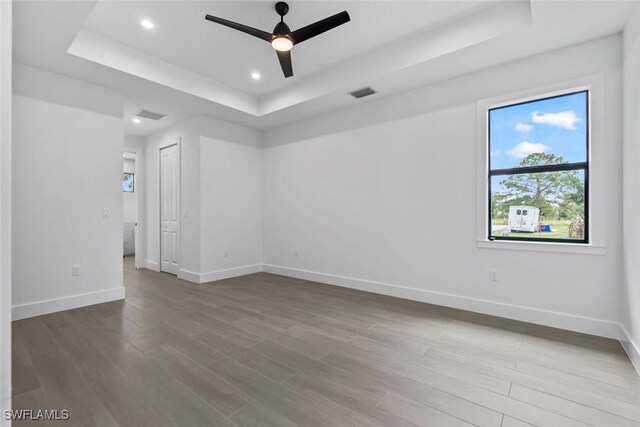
(295, 253)
(75, 270)
(226, 253)
(106, 213)
(493, 275)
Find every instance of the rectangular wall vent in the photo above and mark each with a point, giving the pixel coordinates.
(361, 93)
(150, 115)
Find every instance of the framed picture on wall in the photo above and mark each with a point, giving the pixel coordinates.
(128, 182)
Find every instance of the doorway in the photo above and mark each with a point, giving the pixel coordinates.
(129, 204)
(133, 204)
(170, 209)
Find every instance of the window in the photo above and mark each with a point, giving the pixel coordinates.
(539, 170)
(128, 184)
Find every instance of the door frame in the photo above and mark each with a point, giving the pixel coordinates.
(141, 214)
(5, 206)
(177, 144)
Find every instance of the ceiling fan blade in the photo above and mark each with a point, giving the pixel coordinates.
(285, 62)
(312, 30)
(240, 27)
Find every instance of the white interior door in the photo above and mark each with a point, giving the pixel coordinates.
(169, 209)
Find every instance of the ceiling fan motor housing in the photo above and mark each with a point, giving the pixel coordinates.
(282, 8)
(281, 29)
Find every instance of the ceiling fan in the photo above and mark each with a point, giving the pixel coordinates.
(282, 38)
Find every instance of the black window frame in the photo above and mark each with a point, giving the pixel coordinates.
(577, 166)
(133, 186)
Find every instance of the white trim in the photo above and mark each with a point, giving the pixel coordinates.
(151, 265)
(632, 349)
(5, 205)
(189, 276)
(229, 273)
(587, 325)
(542, 247)
(213, 276)
(66, 303)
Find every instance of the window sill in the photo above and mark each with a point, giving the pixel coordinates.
(571, 248)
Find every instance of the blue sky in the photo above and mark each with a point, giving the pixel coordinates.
(556, 126)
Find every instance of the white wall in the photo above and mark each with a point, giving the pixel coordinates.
(130, 200)
(631, 91)
(67, 167)
(5, 208)
(220, 198)
(134, 141)
(382, 197)
(231, 204)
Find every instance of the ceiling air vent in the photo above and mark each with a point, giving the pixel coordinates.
(361, 93)
(150, 115)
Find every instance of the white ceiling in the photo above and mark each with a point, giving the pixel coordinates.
(187, 66)
(184, 38)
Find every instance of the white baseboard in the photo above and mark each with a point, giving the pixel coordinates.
(151, 265)
(229, 273)
(632, 348)
(212, 276)
(189, 276)
(587, 325)
(38, 308)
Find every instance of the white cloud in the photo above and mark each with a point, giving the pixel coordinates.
(495, 153)
(566, 119)
(525, 148)
(523, 127)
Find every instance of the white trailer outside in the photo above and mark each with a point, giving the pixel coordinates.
(524, 218)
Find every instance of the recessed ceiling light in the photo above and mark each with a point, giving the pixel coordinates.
(255, 75)
(146, 23)
(135, 120)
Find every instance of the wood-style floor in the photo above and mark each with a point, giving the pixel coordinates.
(264, 350)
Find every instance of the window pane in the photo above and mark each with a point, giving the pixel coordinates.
(548, 205)
(548, 131)
(127, 183)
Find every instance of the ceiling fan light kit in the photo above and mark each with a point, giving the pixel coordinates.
(282, 44)
(282, 39)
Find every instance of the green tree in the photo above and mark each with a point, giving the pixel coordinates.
(556, 194)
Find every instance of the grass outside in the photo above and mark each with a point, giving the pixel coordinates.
(560, 230)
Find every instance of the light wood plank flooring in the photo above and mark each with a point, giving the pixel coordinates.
(265, 350)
